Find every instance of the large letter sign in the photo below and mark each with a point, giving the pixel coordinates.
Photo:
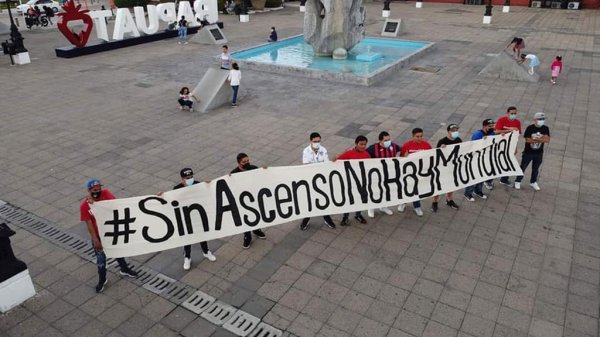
(125, 25)
(267, 197)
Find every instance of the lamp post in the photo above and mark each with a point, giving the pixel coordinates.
(487, 17)
(15, 48)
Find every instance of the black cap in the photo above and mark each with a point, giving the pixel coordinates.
(452, 126)
(488, 121)
(186, 172)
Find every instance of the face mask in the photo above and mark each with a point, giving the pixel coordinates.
(512, 117)
(246, 166)
(189, 182)
(315, 146)
(387, 143)
(96, 195)
(540, 123)
(455, 134)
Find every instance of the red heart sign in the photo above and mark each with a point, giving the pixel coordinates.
(73, 13)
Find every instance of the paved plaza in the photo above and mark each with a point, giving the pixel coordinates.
(521, 263)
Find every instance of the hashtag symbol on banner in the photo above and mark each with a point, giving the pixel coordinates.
(117, 222)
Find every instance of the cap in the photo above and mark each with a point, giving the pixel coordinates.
(539, 115)
(186, 172)
(452, 126)
(92, 182)
(488, 121)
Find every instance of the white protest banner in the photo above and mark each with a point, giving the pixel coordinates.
(261, 198)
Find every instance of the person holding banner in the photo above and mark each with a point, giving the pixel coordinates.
(453, 137)
(359, 151)
(486, 130)
(312, 154)
(187, 179)
(536, 135)
(508, 124)
(416, 144)
(384, 149)
(244, 165)
(96, 193)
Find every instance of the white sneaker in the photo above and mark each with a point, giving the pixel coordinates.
(535, 186)
(517, 185)
(191, 110)
(371, 213)
(401, 208)
(419, 211)
(386, 211)
(187, 263)
(209, 255)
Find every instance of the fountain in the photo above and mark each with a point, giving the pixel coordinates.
(333, 47)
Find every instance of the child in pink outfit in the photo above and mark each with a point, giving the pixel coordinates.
(556, 68)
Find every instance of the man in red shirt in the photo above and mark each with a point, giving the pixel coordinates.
(359, 151)
(507, 124)
(96, 193)
(416, 144)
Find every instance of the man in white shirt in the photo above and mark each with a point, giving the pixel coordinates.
(312, 154)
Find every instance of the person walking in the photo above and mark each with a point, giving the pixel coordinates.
(487, 129)
(452, 137)
(416, 144)
(315, 153)
(97, 193)
(225, 58)
(506, 124)
(359, 151)
(234, 78)
(535, 135)
(187, 179)
(244, 165)
(556, 68)
(182, 32)
(385, 148)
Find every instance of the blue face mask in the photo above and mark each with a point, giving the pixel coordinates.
(512, 117)
(189, 182)
(455, 134)
(540, 123)
(387, 143)
(316, 146)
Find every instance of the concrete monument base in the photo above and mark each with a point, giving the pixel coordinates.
(487, 19)
(504, 66)
(385, 14)
(244, 18)
(15, 291)
(419, 4)
(505, 9)
(209, 34)
(213, 91)
(22, 58)
(302, 9)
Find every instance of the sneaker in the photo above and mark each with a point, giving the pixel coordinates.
(401, 208)
(535, 186)
(360, 219)
(304, 225)
(191, 110)
(505, 182)
(469, 197)
(233, 105)
(100, 286)
(180, 108)
(451, 204)
(489, 186)
(209, 255)
(386, 211)
(330, 224)
(517, 185)
(345, 222)
(371, 213)
(260, 234)
(187, 263)
(185, 42)
(419, 211)
(483, 196)
(128, 272)
(434, 207)
(246, 244)
(179, 42)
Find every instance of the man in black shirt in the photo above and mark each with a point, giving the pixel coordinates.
(450, 139)
(244, 165)
(187, 179)
(535, 135)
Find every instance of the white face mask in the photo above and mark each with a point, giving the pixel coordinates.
(387, 143)
(315, 146)
(189, 182)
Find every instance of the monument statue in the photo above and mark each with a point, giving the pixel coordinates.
(333, 24)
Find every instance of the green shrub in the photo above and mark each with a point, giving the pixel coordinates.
(130, 3)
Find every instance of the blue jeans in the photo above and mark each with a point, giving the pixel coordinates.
(235, 92)
(417, 204)
(474, 188)
(182, 34)
(101, 263)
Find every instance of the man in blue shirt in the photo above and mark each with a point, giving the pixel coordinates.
(486, 130)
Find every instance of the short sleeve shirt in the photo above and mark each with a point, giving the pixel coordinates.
(85, 212)
(448, 141)
(534, 132)
(353, 154)
(504, 122)
(378, 151)
(411, 147)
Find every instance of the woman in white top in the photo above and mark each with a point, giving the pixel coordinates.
(225, 58)
(234, 78)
